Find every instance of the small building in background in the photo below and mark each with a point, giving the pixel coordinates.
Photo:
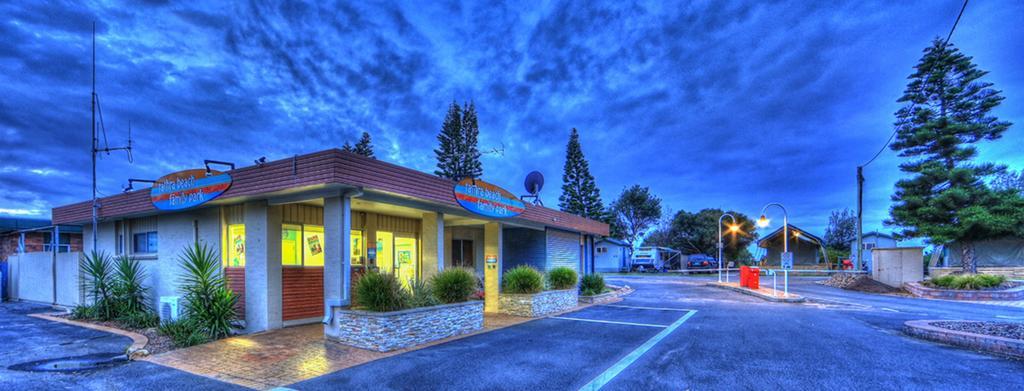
(998, 256)
(806, 248)
(611, 255)
(22, 235)
(870, 241)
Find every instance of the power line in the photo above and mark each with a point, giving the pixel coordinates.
(948, 36)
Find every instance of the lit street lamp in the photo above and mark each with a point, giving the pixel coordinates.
(732, 228)
(763, 222)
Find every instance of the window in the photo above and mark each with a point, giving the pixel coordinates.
(313, 245)
(144, 243)
(235, 256)
(462, 253)
(358, 252)
(868, 246)
(291, 245)
(602, 250)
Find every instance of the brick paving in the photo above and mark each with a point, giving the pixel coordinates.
(276, 358)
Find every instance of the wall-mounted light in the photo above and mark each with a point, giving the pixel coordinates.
(261, 161)
(208, 162)
(132, 181)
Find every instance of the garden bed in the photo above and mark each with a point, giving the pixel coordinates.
(541, 304)
(387, 331)
(857, 282)
(1000, 338)
(610, 294)
(921, 290)
(158, 343)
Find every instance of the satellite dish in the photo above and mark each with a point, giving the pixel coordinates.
(534, 182)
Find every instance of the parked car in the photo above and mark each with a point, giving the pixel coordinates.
(701, 262)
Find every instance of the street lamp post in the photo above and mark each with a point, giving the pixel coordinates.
(733, 228)
(763, 222)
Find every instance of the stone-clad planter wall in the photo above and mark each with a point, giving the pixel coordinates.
(539, 304)
(985, 343)
(920, 290)
(386, 331)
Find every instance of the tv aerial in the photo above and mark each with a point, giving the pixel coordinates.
(534, 182)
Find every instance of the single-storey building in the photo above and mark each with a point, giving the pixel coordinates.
(611, 255)
(998, 256)
(22, 235)
(294, 234)
(869, 241)
(806, 248)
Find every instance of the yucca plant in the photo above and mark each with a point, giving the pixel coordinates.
(562, 278)
(209, 303)
(454, 285)
(421, 294)
(127, 288)
(522, 279)
(381, 292)
(97, 279)
(592, 284)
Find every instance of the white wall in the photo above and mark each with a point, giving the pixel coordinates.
(610, 261)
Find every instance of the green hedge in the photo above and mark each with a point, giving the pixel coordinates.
(454, 285)
(592, 284)
(968, 281)
(562, 278)
(522, 280)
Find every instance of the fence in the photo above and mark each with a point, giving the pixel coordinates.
(31, 277)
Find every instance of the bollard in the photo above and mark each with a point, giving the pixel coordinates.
(744, 275)
(754, 277)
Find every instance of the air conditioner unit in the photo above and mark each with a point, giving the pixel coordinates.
(170, 308)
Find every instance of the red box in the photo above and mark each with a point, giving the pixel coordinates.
(754, 278)
(744, 275)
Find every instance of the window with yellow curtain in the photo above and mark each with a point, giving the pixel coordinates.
(235, 256)
(313, 245)
(291, 245)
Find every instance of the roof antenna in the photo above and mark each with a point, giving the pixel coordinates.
(95, 149)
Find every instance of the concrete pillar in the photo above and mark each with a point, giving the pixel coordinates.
(433, 244)
(492, 266)
(337, 253)
(262, 266)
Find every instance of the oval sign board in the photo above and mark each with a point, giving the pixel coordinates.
(486, 199)
(189, 188)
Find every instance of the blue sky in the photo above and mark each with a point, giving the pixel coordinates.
(711, 104)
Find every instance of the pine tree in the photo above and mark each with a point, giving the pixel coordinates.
(946, 198)
(364, 147)
(347, 147)
(450, 142)
(471, 166)
(580, 195)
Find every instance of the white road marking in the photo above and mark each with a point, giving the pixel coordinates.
(645, 308)
(889, 309)
(1009, 317)
(610, 374)
(610, 322)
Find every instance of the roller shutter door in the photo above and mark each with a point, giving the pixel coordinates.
(563, 249)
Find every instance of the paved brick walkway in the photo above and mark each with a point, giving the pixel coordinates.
(285, 356)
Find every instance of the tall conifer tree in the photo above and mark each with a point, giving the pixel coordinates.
(470, 151)
(946, 199)
(364, 147)
(580, 195)
(450, 142)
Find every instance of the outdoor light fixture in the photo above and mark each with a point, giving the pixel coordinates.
(732, 228)
(763, 221)
(208, 162)
(131, 182)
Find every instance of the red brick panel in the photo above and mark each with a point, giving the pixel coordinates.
(302, 292)
(236, 282)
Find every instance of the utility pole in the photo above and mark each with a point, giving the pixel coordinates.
(860, 217)
(95, 141)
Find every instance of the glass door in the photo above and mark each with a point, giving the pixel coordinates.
(406, 258)
(385, 252)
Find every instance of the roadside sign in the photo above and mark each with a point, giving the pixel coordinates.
(787, 260)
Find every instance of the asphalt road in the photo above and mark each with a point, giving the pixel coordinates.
(26, 339)
(841, 340)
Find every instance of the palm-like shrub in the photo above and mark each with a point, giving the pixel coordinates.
(454, 285)
(592, 284)
(183, 333)
(421, 294)
(381, 292)
(127, 288)
(562, 278)
(209, 303)
(522, 280)
(98, 283)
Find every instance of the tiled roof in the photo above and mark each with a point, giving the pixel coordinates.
(330, 167)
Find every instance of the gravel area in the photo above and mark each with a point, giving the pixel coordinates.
(997, 329)
(857, 282)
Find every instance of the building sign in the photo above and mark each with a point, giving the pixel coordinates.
(787, 260)
(486, 199)
(189, 188)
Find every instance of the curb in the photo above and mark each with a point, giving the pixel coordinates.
(134, 351)
(990, 344)
(920, 290)
(792, 298)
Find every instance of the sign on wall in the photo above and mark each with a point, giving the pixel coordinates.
(189, 188)
(486, 199)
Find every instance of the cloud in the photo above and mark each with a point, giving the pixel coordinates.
(718, 104)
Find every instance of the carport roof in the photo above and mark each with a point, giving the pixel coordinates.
(326, 172)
